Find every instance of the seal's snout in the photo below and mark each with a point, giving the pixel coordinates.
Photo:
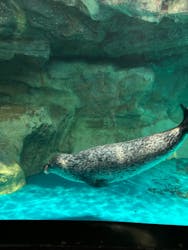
(45, 169)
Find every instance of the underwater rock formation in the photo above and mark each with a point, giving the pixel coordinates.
(11, 178)
(16, 122)
(36, 149)
(39, 29)
(79, 73)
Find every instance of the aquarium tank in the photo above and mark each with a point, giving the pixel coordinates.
(93, 110)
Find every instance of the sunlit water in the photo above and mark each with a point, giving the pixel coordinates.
(152, 197)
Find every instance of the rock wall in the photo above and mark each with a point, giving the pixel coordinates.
(40, 29)
(75, 74)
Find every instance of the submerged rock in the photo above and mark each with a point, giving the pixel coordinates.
(37, 148)
(16, 123)
(11, 178)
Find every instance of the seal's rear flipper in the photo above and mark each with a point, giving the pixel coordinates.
(184, 123)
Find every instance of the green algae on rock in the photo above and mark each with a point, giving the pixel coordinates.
(11, 178)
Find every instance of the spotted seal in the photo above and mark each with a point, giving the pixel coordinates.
(101, 165)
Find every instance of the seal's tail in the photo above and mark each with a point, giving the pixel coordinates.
(184, 123)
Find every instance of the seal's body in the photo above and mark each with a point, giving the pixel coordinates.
(101, 165)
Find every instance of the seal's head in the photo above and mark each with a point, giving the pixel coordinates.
(57, 164)
(54, 169)
(47, 168)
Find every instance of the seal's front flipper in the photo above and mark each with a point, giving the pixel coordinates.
(97, 182)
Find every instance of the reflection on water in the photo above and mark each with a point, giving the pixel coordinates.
(152, 197)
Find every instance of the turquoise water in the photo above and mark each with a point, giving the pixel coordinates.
(152, 197)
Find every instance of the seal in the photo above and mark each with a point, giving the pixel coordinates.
(102, 165)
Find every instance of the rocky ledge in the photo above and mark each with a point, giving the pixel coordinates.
(40, 29)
